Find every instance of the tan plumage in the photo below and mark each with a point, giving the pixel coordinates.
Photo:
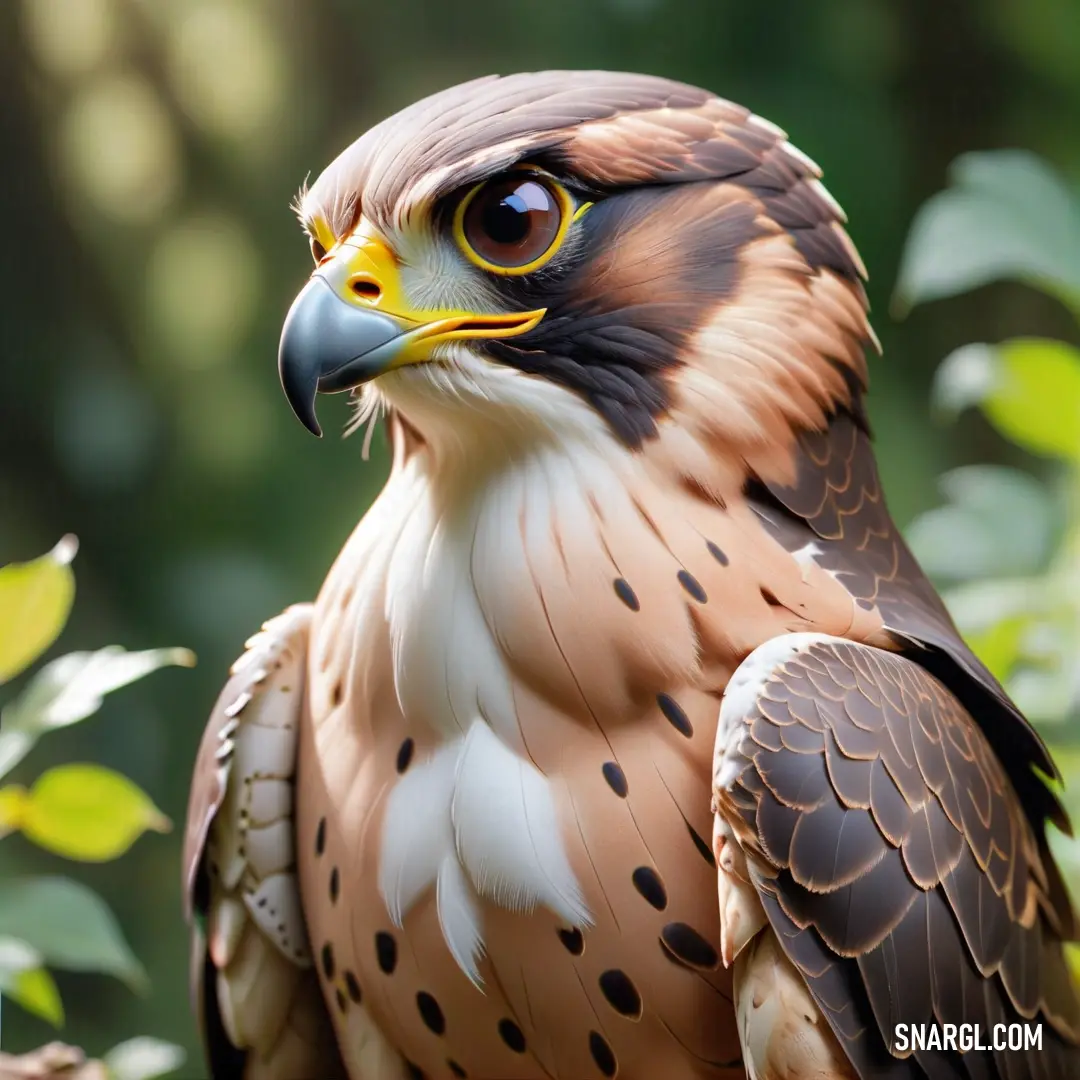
(600, 524)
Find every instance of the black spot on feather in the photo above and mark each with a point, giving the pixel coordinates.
(512, 1035)
(692, 586)
(648, 883)
(385, 952)
(430, 1012)
(602, 1054)
(573, 941)
(674, 714)
(627, 594)
(616, 779)
(684, 943)
(622, 995)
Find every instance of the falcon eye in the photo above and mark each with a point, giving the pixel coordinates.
(318, 252)
(513, 224)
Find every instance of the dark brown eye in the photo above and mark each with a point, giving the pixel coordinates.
(513, 224)
(318, 252)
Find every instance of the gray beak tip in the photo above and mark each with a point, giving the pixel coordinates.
(300, 389)
(327, 346)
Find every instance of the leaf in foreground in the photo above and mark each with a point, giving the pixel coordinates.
(35, 601)
(143, 1058)
(997, 521)
(1005, 216)
(70, 689)
(25, 981)
(69, 925)
(85, 812)
(1029, 389)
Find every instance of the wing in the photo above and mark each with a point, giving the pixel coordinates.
(837, 504)
(893, 858)
(256, 993)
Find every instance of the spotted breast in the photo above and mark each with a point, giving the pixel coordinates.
(504, 785)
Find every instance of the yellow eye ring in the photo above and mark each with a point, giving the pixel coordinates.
(518, 225)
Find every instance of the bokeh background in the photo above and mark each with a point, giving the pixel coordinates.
(148, 153)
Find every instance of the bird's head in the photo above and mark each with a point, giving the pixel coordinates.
(579, 243)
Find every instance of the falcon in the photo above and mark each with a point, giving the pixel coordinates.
(625, 737)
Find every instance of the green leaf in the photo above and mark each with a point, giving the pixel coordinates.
(69, 925)
(35, 600)
(995, 616)
(1044, 697)
(1072, 956)
(965, 378)
(15, 956)
(1027, 630)
(1029, 389)
(87, 812)
(997, 521)
(999, 646)
(143, 1058)
(24, 980)
(1006, 215)
(1065, 849)
(978, 605)
(12, 804)
(1036, 402)
(70, 689)
(36, 992)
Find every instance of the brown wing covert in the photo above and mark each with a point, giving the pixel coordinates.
(893, 858)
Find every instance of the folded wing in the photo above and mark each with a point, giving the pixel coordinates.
(893, 859)
(256, 993)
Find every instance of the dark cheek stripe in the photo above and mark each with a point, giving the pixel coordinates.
(646, 268)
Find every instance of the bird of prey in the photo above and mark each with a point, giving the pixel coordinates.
(625, 738)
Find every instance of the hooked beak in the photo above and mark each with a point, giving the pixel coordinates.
(351, 323)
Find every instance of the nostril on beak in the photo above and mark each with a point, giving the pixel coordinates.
(365, 288)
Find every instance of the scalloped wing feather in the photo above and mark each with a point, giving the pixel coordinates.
(891, 856)
(257, 995)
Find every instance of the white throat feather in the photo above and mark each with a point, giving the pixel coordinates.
(505, 456)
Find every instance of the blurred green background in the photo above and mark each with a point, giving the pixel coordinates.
(148, 153)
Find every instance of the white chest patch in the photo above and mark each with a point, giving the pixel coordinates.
(474, 820)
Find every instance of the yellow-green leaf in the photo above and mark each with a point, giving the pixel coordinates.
(12, 804)
(1072, 955)
(35, 600)
(1036, 402)
(23, 978)
(88, 812)
(1029, 389)
(35, 990)
(999, 646)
